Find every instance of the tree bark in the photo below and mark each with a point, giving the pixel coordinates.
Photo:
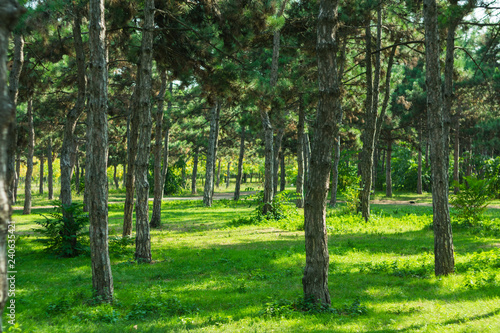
(282, 171)
(211, 156)
(115, 178)
(97, 155)
(50, 175)
(388, 167)
(194, 175)
(29, 158)
(307, 156)
(15, 73)
(143, 237)
(277, 153)
(159, 173)
(456, 154)
(299, 186)
(40, 180)
(18, 172)
(419, 170)
(315, 279)
(237, 186)
(9, 13)
(228, 173)
(443, 240)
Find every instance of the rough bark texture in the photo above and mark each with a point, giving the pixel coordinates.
(315, 280)
(158, 171)
(237, 186)
(132, 135)
(388, 167)
(15, 73)
(97, 155)
(443, 240)
(299, 186)
(194, 175)
(29, 158)
(68, 149)
(143, 237)
(40, 177)
(211, 156)
(50, 171)
(9, 13)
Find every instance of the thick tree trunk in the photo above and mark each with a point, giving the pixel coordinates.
(218, 175)
(69, 146)
(15, 73)
(388, 167)
(143, 237)
(9, 12)
(211, 156)
(97, 155)
(194, 175)
(228, 173)
(282, 171)
(158, 171)
(335, 172)
(40, 178)
(50, 175)
(29, 158)
(315, 280)
(443, 240)
(299, 186)
(237, 186)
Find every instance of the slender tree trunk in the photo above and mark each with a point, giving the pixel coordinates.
(277, 153)
(240, 165)
(388, 167)
(29, 158)
(194, 175)
(228, 174)
(50, 176)
(69, 146)
(18, 173)
(335, 173)
(97, 155)
(269, 162)
(211, 156)
(77, 173)
(468, 171)
(115, 179)
(443, 240)
(143, 237)
(315, 280)
(299, 186)
(40, 178)
(124, 177)
(283, 172)
(158, 171)
(419, 170)
(307, 156)
(218, 175)
(15, 73)
(456, 150)
(9, 13)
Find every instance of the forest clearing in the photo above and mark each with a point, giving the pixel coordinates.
(249, 166)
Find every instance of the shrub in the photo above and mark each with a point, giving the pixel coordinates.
(472, 199)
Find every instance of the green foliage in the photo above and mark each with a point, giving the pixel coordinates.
(81, 186)
(285, 308)
(472, 199)
(103, 314)
(173, 182)
(156, 307)
(62, 232)
(121, 246)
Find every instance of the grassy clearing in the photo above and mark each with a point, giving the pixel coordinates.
(211, 275)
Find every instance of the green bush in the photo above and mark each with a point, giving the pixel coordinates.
(64, 233)
(472, 199)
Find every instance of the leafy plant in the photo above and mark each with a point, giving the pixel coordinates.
(64, 227)
(472, 199)
(120, 245)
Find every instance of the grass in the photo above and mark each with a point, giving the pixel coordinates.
(210, 276)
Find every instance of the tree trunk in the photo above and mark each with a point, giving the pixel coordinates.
(159, 172)
(15, 73)
(69, 146)
(456, 154)
(40, 178)
(97, 155)
(283, 171)
(195, 170)
(77, 173)
(388, 176)
(143, 237)
(443, 240)
(228, 173)
(211, 156)
(268, 164)
(18, 173)
(335, 172)
(299, 186)
(315, 280)
(9, 13)
(240, 165)
(50, 176)
(124, 177)
(468, 171)
(419, 170)
(277, 153)
(307, 156)
(115, 179)
(29, 158)
(218, 175)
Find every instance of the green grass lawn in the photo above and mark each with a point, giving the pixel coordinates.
(210, 275)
